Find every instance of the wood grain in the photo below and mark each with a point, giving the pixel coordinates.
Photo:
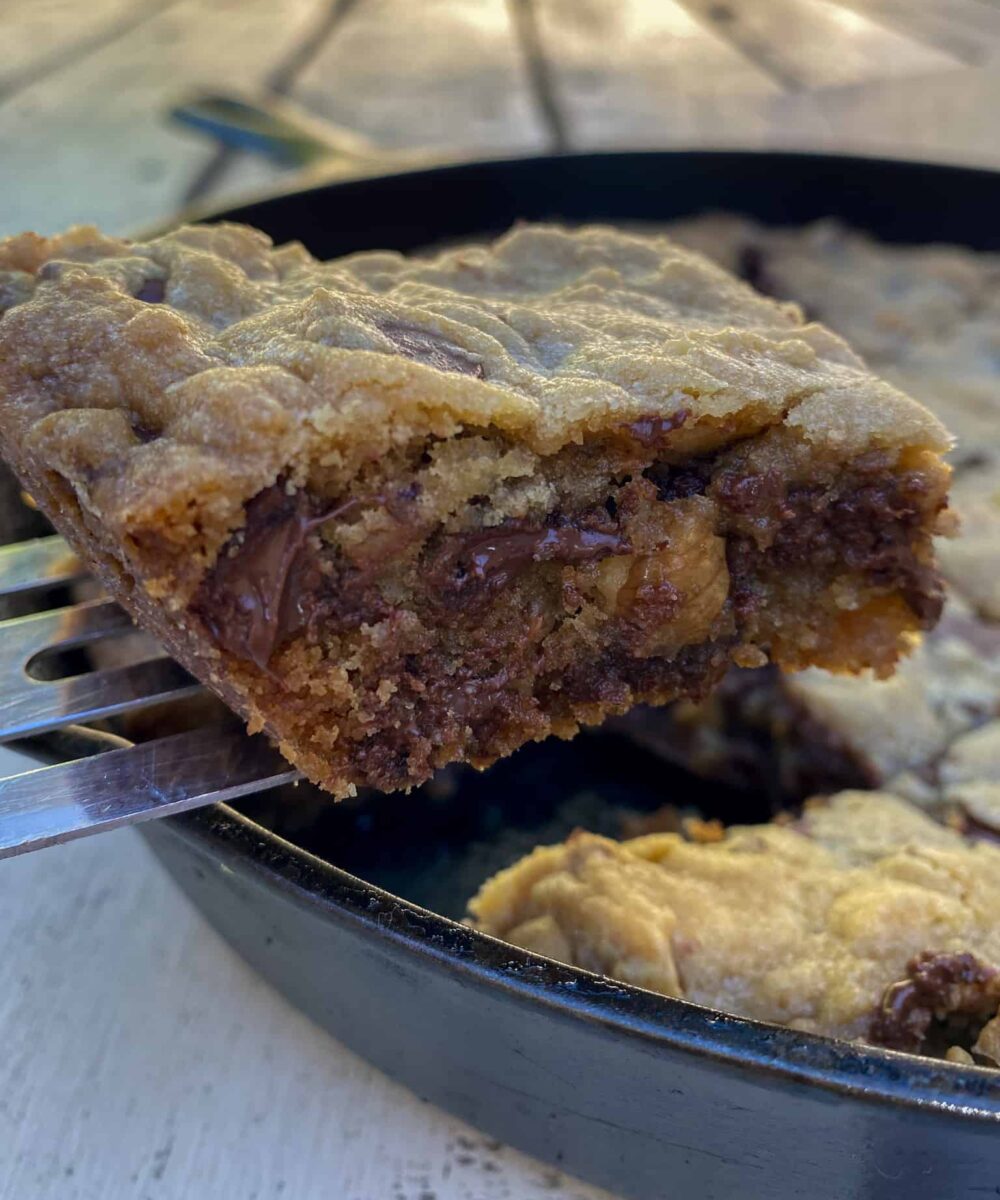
(943, 117)
(439, 73)
(42, 37)
(442, 75)
(144, 1061)
(636, 74)
(94, 143)
(814, 44)
(969, 29)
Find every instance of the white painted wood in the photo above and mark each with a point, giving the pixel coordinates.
(815, 44)
(93, 143)
(944, 117)
(142, 1060)
(437, 73)
(446, 75)
(640, 74)
(653, 75)
(969, 29)
(44, 33)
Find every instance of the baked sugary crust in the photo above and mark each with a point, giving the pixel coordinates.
(184, 406)
(258, 360)
(865, 919)
(925, 317)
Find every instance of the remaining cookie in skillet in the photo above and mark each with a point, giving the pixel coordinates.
(864, 919)
(403, 512)
(933, 308)
(794, 735)
(972, 564)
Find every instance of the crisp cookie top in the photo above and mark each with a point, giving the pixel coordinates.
(914, 304)
(926, 317)
(196, 368)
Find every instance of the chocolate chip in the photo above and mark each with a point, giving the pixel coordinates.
(145, 433)
(759, 495)
(678, 483)
(976, 830)
(750, 266)
(431, 348)
(491, 559)
(152, 291)
(937, 987)
(257, 595)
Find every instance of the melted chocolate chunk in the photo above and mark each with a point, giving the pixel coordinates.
(761, 496)
(652, 430)
(491, 559)
(256, 595)
(268, 586)
(937, 988)
(145, 433)
(678, 483)
(152, 291)
(432, 349)
(871, 529)
(976, 830)
(750, 266)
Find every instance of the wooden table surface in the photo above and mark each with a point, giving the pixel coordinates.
(141, 1058)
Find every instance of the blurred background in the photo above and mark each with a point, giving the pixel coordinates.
(87, 90)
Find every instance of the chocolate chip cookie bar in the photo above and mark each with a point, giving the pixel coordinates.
(407, 511)
(864, 919)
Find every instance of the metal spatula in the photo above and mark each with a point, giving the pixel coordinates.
(51, 804)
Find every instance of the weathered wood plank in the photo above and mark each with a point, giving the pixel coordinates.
(108, 153)
(211, 177)
(144, 1061)
(637, 74)
(538, 64)
(814, 44)
(969, 29)
(943, 117)
(444, 75)
(41, 37)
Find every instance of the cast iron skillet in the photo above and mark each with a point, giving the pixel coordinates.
(338, 906)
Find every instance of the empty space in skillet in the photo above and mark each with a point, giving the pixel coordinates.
(435, 846)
